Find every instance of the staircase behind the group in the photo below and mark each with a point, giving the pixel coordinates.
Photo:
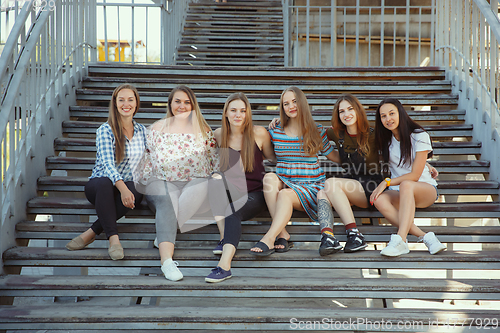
(238, 33)
(285, 291)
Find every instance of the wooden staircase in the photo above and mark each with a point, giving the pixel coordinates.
(263, 295)
(238, 33)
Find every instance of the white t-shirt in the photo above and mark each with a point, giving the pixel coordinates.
(419, 142)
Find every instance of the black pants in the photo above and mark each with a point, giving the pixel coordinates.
(251, 205)
(108, 204)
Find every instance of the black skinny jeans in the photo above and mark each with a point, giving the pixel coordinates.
(251, 205)
(108, 204)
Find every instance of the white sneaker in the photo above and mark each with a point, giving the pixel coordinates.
(396, 247)
(155, 242)
(172, 273)
(433, 244)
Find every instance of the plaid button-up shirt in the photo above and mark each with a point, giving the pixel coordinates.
(105, 164)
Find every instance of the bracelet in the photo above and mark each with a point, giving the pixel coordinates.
(388, 181)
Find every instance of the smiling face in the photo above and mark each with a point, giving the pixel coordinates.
(389, 116)
(347, 114)
(290, 104)
(126, 103)
(181, 105)
(236, 113)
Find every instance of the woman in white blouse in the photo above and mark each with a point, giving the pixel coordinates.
(405, 147)
(179, 158)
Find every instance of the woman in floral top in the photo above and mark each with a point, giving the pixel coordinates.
(180, 155)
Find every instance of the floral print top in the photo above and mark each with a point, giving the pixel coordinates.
(178, 156)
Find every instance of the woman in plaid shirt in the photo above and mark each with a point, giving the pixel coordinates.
(120, 144)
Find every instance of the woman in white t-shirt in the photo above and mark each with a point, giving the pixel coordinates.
(405, 147)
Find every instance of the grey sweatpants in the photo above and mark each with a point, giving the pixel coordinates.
(176, 202)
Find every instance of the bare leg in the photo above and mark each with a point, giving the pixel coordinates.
(399, 207)
(114, 240)
(228, 252)
(287, 201)
(272, 187)
(220, 225)
(343, 193)
(166, 251)
(88, 234)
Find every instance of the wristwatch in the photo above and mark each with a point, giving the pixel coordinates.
(388, 181)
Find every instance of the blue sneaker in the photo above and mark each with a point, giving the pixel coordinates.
(218, 248)
(218, 275)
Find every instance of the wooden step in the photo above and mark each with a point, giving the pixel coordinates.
(274, 73)
(220, 52)
(237, 319)
(230, 30)
(440, 148)
(149, 114)
(252, 231)
(440, 132)
(71, 206)
(446, 167)
(232, 43)
(200, 85)
(319, 286)
(201, 18)
(273, 98)
(188, 37)
(247, 48)
(233, 62)
(466, 187)
(203, 257)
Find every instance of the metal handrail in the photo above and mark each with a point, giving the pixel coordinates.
(37, 97)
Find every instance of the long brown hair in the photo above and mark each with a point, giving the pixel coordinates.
(248, 145)
(115, 120)
(312, 142)
(363, 127)
(202, 123)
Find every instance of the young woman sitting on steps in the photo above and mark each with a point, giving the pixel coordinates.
(355, 142)
(297, 142)
(242, 148)
(180, 156)
(120, 144)
(405, 147)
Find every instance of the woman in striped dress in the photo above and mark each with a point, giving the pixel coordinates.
(297, 142)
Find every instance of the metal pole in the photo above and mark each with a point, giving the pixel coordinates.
(357, 33)
(307, 32)
(286, 32)
(382, 11)
(407, 34)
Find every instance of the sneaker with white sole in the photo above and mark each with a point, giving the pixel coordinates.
(355, 241)
(433, 244)
(329, 245)
(218, 275)
(172, 273)
(396, 247)
(219, 247)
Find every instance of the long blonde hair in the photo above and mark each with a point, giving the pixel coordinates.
(115, 120)
(312, 142)
(363, 127)
(248, 145)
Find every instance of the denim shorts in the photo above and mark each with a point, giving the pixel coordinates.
(396, 188)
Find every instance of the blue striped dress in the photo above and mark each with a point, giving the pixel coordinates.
(300, 172)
